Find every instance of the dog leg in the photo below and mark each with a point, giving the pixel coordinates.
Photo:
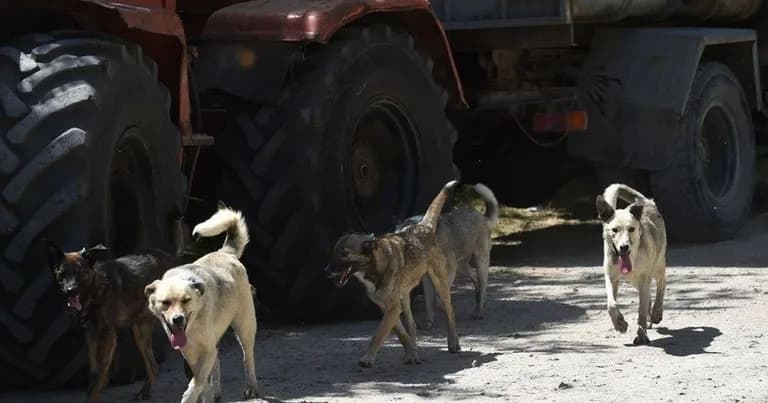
(480, 263)
(612, 291)
(92, 343)
(439, 279)
(390, 319)
(142, 336)
(245, 327)
(429, 303)
(410, 323)
(642, 312)
(661, 285)
(409, 344)
(106, 340)
(202, 363)
(214, 380)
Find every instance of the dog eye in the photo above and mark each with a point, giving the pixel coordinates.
(615, 230)
(185, 300)
(631, 229)
(165, 302)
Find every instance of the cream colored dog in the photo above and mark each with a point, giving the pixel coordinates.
(197, 302)
(635, 249)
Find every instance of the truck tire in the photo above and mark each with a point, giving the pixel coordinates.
(706, 193)
(88, 155)
(360, 137)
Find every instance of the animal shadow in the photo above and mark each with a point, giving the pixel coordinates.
(687, 341)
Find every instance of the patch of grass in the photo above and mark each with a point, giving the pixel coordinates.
(573, 205)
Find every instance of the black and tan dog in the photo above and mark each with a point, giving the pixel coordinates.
(390, 266)
(108, 295)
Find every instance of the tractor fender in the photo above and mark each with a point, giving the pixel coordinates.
(308, 21)
(635, 85)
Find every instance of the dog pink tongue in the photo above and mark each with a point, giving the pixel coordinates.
(74, 303)
(178, 338)
(625, 264)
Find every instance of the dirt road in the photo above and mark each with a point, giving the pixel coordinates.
(546, 337)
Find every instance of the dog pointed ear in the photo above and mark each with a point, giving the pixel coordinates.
(53, 254)
(604, 210)
(150, 288)
(94, 254)
(198, 286)
(636, 209)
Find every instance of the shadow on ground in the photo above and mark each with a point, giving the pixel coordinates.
(560, 245)
(686, 341)
(336, 372)
(577, 245)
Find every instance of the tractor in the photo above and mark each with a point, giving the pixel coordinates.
(123, 123)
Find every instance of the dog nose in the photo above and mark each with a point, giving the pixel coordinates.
(70, 289)
(623, 248)
(177, 320)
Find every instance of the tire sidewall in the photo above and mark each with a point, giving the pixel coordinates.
(722, 89)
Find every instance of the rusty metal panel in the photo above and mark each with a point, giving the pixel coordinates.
(297, 20)
(318, 20)
(166, 4)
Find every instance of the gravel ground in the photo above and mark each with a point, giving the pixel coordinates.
(546, 336)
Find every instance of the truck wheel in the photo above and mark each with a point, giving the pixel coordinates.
(706, 193)
(88, 154)
(359, 137)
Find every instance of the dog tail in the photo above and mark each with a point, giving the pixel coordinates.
(231, 221)
(620, 191)
(436, 207)
(491, 205)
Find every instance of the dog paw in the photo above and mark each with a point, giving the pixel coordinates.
(424, 325)
(453, 349)
(412, 360)
(656, 316)
(620, 324)
(365, 362)
(142, 395)
(478, 315)
(251, 392)
(642, 338)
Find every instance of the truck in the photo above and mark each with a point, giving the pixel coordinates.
(122, 122)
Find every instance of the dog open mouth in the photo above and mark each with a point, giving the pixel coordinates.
(625, 263)
(177, 336)
(73, 301)
(344, 277)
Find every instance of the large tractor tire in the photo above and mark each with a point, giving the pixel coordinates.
(88, 155)
(706, 193)
(359, 138)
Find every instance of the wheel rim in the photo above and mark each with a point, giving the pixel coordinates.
(718, 150)
(383, 166)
